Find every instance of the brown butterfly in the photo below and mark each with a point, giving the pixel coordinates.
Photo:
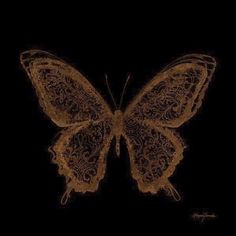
(171, 98)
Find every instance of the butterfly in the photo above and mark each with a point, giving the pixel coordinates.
(148, 124)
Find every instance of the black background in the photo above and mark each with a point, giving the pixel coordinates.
(118, 41)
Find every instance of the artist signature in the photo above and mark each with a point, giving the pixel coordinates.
(203, 217)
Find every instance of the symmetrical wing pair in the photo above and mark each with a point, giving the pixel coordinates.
(172, 97)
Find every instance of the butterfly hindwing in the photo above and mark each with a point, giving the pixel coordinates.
(174, 95)
(80, 153)
(154, 153)
(64, 94)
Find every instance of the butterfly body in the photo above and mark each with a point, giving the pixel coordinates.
(118, 129)
(88, 126)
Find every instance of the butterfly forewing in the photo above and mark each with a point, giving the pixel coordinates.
(174, 95)
(65, 95)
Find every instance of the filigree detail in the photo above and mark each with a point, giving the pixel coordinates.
(175, 94)
(81, 152)
(64, 94)
(154, 154)
(172, 97)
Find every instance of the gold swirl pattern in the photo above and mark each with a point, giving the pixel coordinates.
(171, 98)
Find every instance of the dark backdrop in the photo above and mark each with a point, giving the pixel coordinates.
(118, 42)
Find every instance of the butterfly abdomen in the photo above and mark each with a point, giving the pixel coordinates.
(117, 129)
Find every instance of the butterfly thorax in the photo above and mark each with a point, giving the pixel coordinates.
(117, 129)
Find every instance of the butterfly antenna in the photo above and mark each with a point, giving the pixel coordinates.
(123, 91)
(109, 90)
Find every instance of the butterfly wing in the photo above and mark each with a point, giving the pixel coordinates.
(64, 94)
(80, 154)
(154, 153)
(174, 95)
(72, 102)
(167, 101)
